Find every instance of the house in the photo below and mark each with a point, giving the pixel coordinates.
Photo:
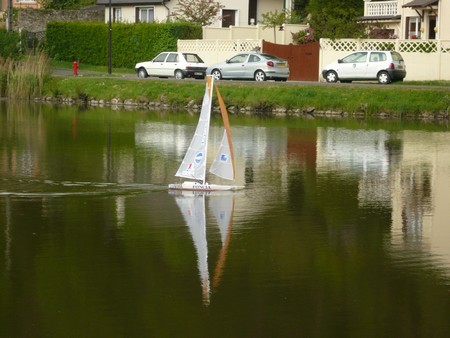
(235, 13)
(18, 4)
(409, 19)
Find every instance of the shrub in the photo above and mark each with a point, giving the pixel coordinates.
(87, 42)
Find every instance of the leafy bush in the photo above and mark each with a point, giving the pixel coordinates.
(10, 44)
(87, 42)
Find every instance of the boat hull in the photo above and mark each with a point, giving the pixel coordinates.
(203, 187)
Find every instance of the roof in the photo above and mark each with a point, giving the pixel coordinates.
(420, 3)
(130, 2)
(380, 18)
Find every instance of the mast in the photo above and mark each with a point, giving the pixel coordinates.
(210, 83)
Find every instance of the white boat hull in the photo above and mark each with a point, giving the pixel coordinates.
(195, 186)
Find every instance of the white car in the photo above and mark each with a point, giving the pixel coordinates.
(384, 66)
(173, 64)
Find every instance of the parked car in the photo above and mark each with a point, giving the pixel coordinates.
(384, 66)
(172, 64)
(256, 66)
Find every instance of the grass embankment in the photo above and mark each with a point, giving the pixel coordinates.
(377, 99)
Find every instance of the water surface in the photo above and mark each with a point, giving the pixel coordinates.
(343, 228)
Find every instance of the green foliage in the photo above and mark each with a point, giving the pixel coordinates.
(65, 4)
(201, 12)
(131, 43)
(336, 19)
(303, 37)
(273, 20)
(10, 44)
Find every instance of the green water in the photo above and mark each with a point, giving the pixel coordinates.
(342, 231)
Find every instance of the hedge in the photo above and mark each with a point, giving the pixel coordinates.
(87, 42)
(9, 44)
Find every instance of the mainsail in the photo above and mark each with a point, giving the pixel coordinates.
(194, 162)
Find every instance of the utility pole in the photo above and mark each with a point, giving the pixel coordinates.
(109, 41)
(9, 18)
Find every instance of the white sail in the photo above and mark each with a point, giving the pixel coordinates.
(194, 162)
(223, 164)
(193, 210)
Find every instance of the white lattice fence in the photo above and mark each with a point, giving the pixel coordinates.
(212, 51)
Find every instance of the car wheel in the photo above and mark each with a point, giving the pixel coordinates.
(179, 75)
(216, 74)
(331, 76)
(142, 73)
(384, 77)
(260, 76)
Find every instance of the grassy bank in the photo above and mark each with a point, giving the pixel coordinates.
(268, 96)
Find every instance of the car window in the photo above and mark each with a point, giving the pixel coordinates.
(377, 57)
(193, 58)
(271, 57)
(396, 56)
(254, 58)
(173, 57)
(161, 57)
(355, 57)
(238, 58)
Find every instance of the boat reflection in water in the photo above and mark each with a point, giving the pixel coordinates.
(193, 207)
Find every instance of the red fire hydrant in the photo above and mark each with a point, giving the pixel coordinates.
(75, 67)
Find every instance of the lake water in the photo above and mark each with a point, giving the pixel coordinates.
(343, 229)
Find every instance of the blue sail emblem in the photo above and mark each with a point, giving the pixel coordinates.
(223, 157)
(198, 157)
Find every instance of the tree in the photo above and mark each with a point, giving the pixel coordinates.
(202, 12)
(335, 19)
(273, 20)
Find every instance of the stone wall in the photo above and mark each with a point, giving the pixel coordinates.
(36, 20)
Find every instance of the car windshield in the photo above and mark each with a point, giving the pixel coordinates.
(193, 58)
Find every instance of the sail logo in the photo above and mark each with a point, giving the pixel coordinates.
(198, 158)
(223, 157)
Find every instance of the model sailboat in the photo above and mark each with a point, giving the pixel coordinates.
(194, 163)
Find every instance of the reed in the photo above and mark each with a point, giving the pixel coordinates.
(24, 79)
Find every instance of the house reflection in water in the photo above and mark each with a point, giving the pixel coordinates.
(409, 173)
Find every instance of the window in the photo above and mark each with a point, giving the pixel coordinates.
(377, 57)
(355, 57)
(145, 14)
(238, 58)
(160, 58)
(192, 58)
(254, 58)
(413, 27)
(117, 14)
(172, 57)
(228, 17)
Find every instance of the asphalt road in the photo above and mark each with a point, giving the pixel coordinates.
(64, 72)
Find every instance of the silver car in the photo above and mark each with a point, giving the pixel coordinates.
(256, 66)
(176, 64)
